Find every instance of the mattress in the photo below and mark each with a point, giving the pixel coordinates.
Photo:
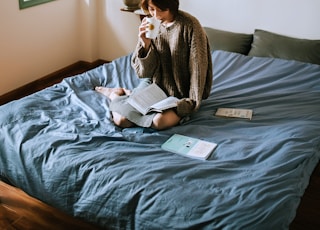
(60, 146)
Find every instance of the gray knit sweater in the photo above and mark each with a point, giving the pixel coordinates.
(179, 61)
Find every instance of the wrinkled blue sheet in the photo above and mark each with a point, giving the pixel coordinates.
(59, 146)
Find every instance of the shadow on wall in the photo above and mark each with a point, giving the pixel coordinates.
(118, 30)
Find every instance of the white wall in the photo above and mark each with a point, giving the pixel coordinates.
(40, 40)
(37, 41)
(88, 31)
(297, 18)
(118, 30)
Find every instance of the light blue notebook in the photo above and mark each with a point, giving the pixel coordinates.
(189, 146)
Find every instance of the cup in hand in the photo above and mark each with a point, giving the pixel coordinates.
(153, 27)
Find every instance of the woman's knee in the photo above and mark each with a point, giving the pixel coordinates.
(165, 120)
(121, 121)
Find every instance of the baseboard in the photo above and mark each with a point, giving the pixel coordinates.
(48, 80)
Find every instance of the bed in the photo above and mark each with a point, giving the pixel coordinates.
(60, 146)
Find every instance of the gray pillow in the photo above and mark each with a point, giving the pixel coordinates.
(268, 44)
(229, 41)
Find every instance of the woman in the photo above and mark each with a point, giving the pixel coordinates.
(178, 60)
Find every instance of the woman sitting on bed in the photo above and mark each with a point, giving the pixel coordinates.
(178, 60)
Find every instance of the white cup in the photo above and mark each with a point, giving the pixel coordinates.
(153, 27)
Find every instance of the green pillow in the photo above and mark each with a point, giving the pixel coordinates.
(267, 44)
(229, 41)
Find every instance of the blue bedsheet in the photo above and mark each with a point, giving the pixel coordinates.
(59, 146)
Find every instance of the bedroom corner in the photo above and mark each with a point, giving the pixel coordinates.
(36, 41)
(118, 30)
(39, 40)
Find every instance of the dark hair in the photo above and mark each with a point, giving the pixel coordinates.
(171, 5)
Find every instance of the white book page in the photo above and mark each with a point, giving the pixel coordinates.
(143, 99)
(232, 112)
(169, 102)
(202, 149)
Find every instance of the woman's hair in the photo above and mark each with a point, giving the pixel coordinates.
(171, 5)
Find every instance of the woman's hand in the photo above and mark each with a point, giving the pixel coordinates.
(142, 34)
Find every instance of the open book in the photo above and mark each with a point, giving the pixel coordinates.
(189, 146)
(151, 99)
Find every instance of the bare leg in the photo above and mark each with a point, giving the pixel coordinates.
(112, 93)
(121, 121)
(165, 120)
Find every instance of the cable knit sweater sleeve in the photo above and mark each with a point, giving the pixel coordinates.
(200, 68)
(145, 62)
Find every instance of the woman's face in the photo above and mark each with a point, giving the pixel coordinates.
(162, 15)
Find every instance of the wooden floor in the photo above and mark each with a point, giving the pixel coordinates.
(20, 211)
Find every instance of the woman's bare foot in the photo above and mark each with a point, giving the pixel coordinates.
(126, 91)
(112, 93)
(108, 91)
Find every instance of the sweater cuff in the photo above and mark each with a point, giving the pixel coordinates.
(185, 107)
(142, 52)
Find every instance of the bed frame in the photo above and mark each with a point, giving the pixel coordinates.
(32, 214)
(19, 209)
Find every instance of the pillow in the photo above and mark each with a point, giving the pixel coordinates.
(229, 41)
(267, 44)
